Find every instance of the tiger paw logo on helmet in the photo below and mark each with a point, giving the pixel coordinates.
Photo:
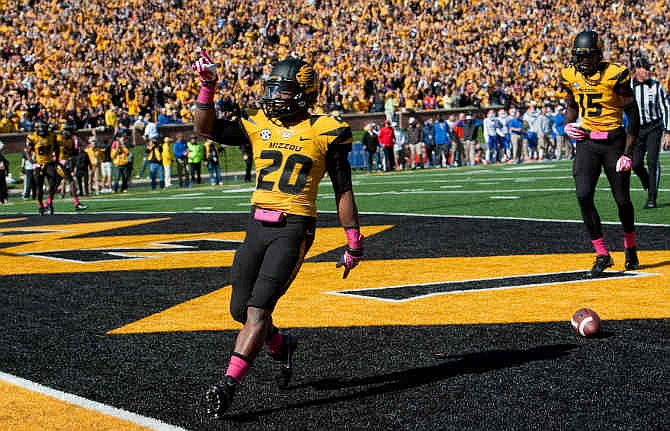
(291, 89)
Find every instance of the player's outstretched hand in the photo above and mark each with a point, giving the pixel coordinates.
(353, 253)
(349, 260)
(575, 132)
(624, 164)
(205, 67)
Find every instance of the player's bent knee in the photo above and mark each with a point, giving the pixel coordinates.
(585, 200)
(239, 312)
(257, 316)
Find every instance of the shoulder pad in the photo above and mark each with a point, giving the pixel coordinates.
(568, 74)
(253, 118)
(617, 72)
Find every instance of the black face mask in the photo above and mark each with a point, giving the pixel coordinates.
(586, 61)
(283, 100)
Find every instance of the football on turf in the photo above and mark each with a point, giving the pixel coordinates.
(585, 322)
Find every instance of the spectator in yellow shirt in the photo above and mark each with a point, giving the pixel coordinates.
(121, 159)
(168, 159)
(111, 119)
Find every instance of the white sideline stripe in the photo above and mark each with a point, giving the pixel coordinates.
(232, 196)
(247, 204)
(127, 416)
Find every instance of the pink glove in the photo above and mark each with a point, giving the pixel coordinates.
(575, 132)
(206, 68)
(624, 164)
(354, 251)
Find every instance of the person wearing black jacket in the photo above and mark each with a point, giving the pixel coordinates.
(654, 105)
(371, 145)
(82, 167)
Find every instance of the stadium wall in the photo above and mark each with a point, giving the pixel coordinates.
(14, 142)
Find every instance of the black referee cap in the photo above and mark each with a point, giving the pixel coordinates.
(642, 62)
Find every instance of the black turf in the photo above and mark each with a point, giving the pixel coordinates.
(535, 376)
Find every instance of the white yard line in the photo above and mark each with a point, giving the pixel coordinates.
(127, 416)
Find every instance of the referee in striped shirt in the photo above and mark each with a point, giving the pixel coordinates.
(654, 105)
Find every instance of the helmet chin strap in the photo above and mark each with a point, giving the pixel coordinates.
(598, 72)
(292, 118)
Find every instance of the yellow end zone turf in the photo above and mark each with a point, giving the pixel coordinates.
(25, 410)
(309, 302)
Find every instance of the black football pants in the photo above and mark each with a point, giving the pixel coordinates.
(591, 157)
(267, 262)
(649, 144)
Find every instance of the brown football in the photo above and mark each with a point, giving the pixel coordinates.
(585, 322)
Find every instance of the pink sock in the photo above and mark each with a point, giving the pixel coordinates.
(629, 239)
(599, 245)
(274, 343)
(237, 368)
(76, 201)
(48, 201)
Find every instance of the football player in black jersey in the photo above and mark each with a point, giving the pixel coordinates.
(292, 151)
(599, 92)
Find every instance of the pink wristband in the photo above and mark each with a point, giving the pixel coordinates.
(206, 95)
(354, 238)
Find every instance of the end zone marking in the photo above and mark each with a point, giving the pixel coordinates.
(90, 405)
(410, 292)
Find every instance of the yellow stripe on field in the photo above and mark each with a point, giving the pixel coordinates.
(25, 410)
(309, 302)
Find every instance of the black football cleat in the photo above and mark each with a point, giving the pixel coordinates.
(80, 206)
(285, 357)
(603, 261)
(43, 211)
(632, 262)
(651, 201)
(219, 397)
(51, 209)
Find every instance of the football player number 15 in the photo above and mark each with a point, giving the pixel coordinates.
(589, 106)
(284, 185)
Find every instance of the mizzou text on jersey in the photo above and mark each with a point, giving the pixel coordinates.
(291, 160)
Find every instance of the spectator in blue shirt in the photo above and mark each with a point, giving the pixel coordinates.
(442, 142)
(564, 148)
(27, 124)
(429, 142)
(180, 150)
(517, 137)
(167, 116)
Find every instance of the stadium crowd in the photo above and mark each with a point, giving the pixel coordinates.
(97, 62)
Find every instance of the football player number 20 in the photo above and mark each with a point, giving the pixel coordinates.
(589, 106)
(284, 185)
